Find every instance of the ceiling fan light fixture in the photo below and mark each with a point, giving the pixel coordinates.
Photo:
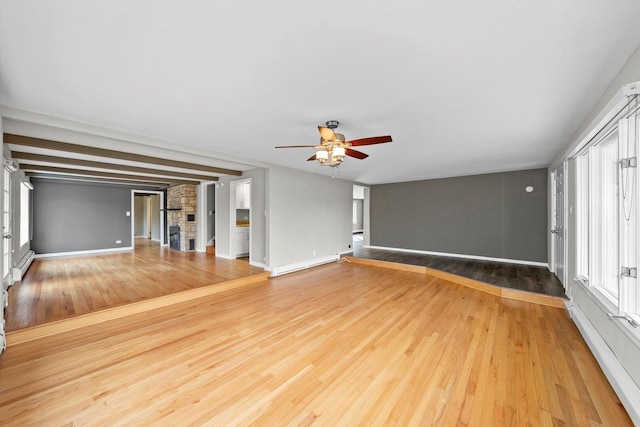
(322, 156)
(338, 154)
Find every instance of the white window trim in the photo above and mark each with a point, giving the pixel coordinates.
(626, 302)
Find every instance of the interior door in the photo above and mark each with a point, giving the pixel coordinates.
(558, 230)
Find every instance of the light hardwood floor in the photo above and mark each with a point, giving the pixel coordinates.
(59, 288)
(342, 344)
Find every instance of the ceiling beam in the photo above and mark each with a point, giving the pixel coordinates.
(100, 165)
(40, 175)
(84, 172)
(27, 141)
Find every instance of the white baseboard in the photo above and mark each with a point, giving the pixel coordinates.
(627, 390)
(19, 270)
(89, 252)
(224, 256)
(296, 266)
(481, 258)
(258, 264)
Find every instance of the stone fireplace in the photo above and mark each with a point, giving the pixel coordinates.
(181, 217)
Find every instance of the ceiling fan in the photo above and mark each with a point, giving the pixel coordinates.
(333, 147)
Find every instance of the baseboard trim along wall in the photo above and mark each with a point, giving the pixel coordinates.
(23, 266)
(482, 258)
(89, 252)
(627, 390)
(296, 266)
(258, 264)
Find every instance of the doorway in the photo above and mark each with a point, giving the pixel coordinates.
(147, 221)
(210, 237)
(360, 229)
(240, 218)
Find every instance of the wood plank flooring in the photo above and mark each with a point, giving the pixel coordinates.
(514, 276)
(338, 345)
(59, 288)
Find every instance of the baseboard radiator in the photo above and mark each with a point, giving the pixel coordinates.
(23, 266)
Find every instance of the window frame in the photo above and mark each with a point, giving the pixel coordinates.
(593, 191)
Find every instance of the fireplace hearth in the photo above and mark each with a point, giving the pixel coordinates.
(174, 237)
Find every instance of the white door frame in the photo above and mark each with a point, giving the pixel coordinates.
(133, 214)
(7, 242)
(554, 249)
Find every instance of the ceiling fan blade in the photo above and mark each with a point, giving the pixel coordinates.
(311, 158)
(355, 153)
(295, 146)
(327, 134)
(371, 140)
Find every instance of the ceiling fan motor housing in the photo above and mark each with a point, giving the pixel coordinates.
(332, 124)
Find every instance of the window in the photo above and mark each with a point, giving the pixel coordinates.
(604, 227)
(582, 219)
(607, 223)
(25, 213)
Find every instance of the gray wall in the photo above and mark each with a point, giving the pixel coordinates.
(77, 217)
(483, 215)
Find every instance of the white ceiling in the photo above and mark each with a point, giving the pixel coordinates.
(464, 87)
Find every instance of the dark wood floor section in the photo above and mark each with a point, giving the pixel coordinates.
(515, 276)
